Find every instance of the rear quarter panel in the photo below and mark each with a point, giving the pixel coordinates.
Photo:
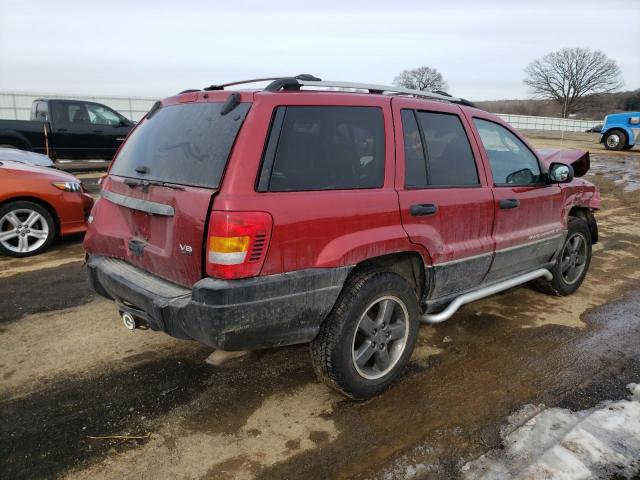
(315, 228)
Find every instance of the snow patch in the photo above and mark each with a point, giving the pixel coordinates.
(560, 444)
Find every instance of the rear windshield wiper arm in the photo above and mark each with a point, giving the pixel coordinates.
(133, 182)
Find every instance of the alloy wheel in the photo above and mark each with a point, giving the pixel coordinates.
(380, 337)
(23, 230)
(573, 258)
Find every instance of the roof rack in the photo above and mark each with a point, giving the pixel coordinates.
(302, 76)
(306, 80)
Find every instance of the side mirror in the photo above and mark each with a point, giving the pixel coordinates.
(124, 123)
(560, 173)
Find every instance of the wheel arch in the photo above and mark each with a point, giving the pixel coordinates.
(585, 213)
(44, 204)
(409, 265)
(14, 138)
(618, 128)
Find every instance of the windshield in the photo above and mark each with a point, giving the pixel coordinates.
(186, 144)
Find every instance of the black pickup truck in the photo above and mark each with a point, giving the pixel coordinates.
(62, 128)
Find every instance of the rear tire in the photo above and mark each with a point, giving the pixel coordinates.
(26, 229)
(572, 263)
(615, 140)
(367, 340)
(627, 147)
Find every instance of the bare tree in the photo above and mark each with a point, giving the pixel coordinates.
(421, 78)
(567, 75)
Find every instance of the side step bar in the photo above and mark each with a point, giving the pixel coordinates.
(483, 292)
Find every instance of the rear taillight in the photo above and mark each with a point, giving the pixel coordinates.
(237, 243)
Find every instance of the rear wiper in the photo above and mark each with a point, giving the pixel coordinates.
(133, 182)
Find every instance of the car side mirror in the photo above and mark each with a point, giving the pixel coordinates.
(124, 123)
(560, 173)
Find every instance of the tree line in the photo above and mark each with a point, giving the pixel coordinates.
(567, 82)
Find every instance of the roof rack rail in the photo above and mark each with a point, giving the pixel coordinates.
(306, 80)
(294, 83)
(222, 86)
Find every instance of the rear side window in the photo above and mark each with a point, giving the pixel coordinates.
(70, 112)
(512, 163)
(324, 148)
(414, 160)
(186, 144)
(449, 156)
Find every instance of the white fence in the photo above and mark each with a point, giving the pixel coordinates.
(17, 106)
(524, 122)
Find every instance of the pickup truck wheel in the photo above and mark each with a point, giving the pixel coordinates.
(367, 340)
(26, 229)
(572, 262)
(615, 140)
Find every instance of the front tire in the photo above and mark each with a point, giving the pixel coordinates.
(26, 229)
(573, 261)
(367, 340)
(615, 140)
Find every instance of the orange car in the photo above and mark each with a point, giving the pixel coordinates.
(37, 204)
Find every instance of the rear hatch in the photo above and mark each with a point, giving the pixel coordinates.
(155, 201)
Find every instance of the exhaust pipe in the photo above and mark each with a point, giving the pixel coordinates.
(128, 320)
(458, 302)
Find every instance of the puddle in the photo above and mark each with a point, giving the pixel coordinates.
(622, 171)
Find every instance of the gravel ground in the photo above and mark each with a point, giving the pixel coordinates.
(71, 376)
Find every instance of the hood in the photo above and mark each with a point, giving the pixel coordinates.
(578, 159)
(23, 156)
(52, 173)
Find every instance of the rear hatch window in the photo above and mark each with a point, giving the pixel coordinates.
(186, 144)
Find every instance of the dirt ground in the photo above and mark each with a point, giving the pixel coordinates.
(71, 376)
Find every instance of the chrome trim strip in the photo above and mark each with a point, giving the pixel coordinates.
(154, 208)
(502, 250)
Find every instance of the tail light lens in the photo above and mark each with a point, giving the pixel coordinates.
(237, 243)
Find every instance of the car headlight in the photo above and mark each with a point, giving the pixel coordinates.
(68, 186)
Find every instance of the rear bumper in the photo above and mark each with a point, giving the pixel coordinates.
(252, 313)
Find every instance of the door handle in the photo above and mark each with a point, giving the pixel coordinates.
(509, 203)
(98, 131)
(423, 209)
(61, 129)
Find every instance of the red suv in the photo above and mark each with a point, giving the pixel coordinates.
(256, 219)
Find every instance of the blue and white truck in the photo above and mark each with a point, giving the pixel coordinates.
(621, 131)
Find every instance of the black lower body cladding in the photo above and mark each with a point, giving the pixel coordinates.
(259, 312)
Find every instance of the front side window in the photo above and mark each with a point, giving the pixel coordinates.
(512, 163)
(325, 148)
(101, 115)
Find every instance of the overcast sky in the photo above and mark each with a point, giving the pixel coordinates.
(159, 47)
